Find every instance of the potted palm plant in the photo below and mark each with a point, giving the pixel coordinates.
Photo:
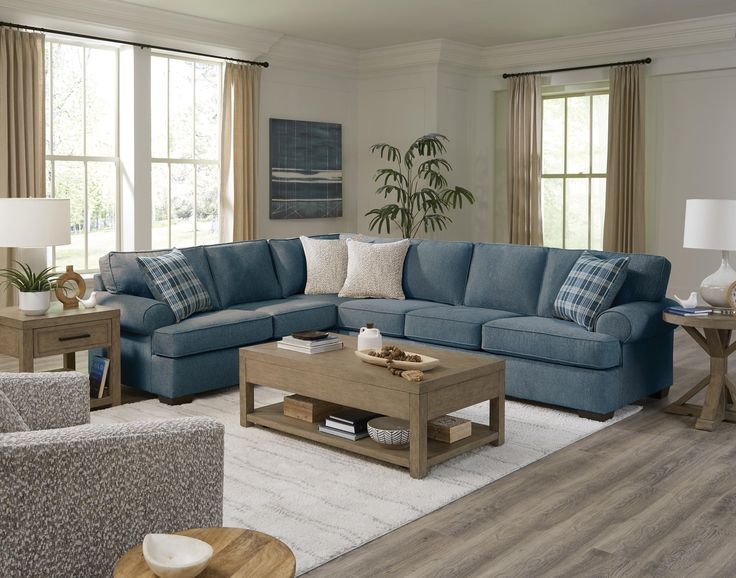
(34, 289)
(416, 178)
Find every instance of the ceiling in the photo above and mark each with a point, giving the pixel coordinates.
(365, 24)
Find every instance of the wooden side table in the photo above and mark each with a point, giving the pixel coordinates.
(238, 552)
(720, 395)
(64, 331)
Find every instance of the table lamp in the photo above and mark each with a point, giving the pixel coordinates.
(711, 224)
(33, 223)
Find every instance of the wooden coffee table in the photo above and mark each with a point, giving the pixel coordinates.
(340, 377)
(238, 552)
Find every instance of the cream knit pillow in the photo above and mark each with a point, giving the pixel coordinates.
(327, 264)
(375, 269)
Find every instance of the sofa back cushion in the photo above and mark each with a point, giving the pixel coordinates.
(646, 279)
(243, 271)
(120, 272)
(506, 277)
(437, 271)
(289, 264)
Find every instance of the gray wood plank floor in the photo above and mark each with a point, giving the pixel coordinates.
(649, 496)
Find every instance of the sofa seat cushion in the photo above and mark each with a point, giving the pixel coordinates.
(386, 314)
(552, 340)
(212, 331)
(296, 314)
(447, 325)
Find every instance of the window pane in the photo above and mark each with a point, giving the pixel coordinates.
(576, 217)
(48, 47)
(160, 194)
(67, 106)
(207, 204)
(207, 107)
(553, 136)
(159, 106)
(552, 212)
(101, 195)
(69, 180)
(578, 134)
(101, 87)
(181, 109)
(597, 212)
(182, 205)
(600, 133)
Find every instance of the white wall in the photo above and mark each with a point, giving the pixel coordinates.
(314, 96)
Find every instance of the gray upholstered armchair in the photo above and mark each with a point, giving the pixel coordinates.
(74, 496)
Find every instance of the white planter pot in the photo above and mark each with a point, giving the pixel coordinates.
(36, 303)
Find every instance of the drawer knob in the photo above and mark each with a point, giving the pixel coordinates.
(73, 337)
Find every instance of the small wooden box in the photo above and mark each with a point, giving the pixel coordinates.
(308, 409)
(449, 429)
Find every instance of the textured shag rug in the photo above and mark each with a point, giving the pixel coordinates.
(324, 502)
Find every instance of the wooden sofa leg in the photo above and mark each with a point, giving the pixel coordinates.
(661, 394)
(595, 416)
(176, 400)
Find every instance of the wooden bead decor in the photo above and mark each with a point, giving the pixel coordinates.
(62, 290)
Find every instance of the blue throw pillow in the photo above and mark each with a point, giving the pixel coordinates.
(590, 288)
(172, 279)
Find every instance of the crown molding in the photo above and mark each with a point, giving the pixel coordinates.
(291, 52)
(614, 43)
(418, 54)
(136, 23)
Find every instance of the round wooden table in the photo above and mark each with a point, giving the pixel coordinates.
(238, 552)
(713, 334)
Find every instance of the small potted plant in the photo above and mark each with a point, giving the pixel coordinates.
(34, 289)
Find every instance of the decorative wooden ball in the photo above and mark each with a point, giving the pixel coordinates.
(69, 300)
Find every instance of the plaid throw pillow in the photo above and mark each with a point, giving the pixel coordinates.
(590, 288)
(171, 278)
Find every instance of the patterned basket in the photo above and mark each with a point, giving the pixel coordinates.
(389, 431)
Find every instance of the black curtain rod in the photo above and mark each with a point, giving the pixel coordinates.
(640, 61)
(129, 43)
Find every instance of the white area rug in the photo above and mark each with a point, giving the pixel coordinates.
(323, 502)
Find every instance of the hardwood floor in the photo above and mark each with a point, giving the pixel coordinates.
(649, 496)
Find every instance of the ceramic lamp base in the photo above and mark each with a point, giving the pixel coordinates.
(714, 288)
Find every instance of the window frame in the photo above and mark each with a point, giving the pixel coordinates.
(51, 159)
(590, 175)
(195, 162)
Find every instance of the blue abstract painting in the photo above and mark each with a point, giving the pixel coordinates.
(306, 169)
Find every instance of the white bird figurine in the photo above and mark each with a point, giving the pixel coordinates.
(689, 303)
(91, 302)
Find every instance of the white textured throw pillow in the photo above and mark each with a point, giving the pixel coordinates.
(327, 265)
(375, 269)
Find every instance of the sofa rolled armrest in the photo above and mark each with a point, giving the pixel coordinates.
(48, 400)
(634, 321)
(73, 500)
(138, 314)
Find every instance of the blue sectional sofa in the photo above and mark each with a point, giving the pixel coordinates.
(492, 298)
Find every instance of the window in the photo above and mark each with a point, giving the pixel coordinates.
(574, 157)
(185, 174)
(82, 146)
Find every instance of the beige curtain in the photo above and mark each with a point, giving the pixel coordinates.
(624, 223)
(238, 152)
(22, 123)
(524, 160)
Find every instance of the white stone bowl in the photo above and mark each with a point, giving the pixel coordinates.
(174, 556)
(389, 432)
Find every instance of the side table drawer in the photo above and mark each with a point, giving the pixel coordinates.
(78, 337)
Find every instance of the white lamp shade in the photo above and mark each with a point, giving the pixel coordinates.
(29, 223)
(710, 224)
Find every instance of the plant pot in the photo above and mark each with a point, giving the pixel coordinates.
(34, 303)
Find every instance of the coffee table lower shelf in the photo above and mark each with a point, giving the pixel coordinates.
(272, 417)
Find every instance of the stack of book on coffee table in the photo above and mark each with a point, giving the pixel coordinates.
(351, 424)
(310, 346)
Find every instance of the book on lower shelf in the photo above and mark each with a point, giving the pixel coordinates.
(349, 420)
(689, 311)
(343, 434)
(98, 376)
(329, 343)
